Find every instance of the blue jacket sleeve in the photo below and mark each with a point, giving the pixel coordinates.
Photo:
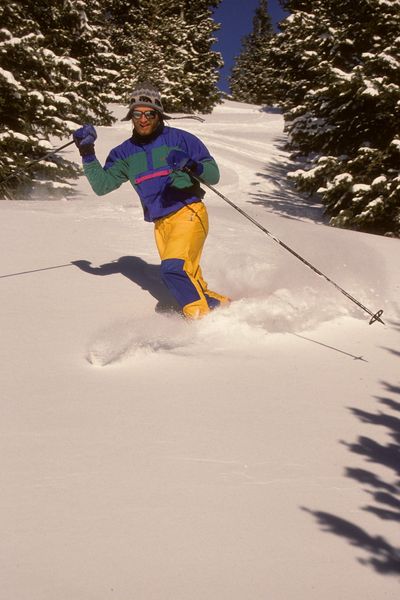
(197, 151)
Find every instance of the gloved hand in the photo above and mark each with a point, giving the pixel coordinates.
(84, 139)
(179, 160)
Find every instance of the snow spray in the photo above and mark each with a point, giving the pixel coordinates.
(375, 316)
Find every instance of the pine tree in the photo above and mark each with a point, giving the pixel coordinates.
(338, 78)
(77, 29)
(170, 45)
(43, 93)
(33, 105)
(249, 80)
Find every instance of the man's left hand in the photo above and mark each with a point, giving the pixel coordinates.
(178, 160)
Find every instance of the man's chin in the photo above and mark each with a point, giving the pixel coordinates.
(145, 131)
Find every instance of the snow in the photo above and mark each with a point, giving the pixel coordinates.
(14, 135)
(72, 63)
(250, 455)
(38, 95)
(341, 74)
(379, 180)
(10, 79)
(361, 187)
(389, 3)
(390, 60)
(45, 144)
(58, 98)
(396, 143)
(375, 202)
(369, 90)
(342, 178)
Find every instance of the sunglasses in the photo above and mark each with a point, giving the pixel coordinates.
(149, 114)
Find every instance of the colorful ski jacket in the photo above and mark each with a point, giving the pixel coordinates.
(143, 163)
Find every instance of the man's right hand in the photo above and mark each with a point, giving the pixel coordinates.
(84, 139)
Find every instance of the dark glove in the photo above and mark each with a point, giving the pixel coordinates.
(84, 139)
(178, 160)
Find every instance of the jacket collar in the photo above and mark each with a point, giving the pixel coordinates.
(147, 139)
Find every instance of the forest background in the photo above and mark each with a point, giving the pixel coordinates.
(332, 68)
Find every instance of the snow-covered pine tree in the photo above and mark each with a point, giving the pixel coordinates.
(132, 33)
(250, 76)
(337, 67)
(170, 45)
(202, 64)
(33, 101)
(77, 29)
(43, 91)
(80, 29)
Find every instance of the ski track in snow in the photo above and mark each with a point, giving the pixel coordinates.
(239, 154)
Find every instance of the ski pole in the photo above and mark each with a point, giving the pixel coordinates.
(33, 162)
(375, 316)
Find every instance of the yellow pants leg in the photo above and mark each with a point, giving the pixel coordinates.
(180, 239)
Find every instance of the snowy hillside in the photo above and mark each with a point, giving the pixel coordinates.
(251, 455)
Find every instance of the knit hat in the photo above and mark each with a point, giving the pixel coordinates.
(145, 94)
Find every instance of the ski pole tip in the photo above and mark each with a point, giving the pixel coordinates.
(377, 317)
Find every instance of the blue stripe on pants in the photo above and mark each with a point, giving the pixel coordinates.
(178, 282)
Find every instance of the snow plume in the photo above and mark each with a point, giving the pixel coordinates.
(242, 275)
(271, 294)
(227, 330)
(138, 338)
(241, 327)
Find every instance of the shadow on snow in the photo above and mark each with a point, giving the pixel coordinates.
(138, 271)
(285, 199)
(384, 494)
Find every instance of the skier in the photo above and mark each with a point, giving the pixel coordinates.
(157, 160)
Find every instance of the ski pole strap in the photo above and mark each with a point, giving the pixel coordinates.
(195, 117)
(374, 316)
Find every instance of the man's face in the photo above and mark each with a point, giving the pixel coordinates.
(145, 125)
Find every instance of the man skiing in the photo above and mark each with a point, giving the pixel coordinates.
(158, 161)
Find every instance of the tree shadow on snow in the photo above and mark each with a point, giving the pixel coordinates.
(285, 199)
(138, 271)
(384, 494)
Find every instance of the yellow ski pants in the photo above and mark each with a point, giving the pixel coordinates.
(180, 239)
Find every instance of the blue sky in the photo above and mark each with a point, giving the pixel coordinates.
(236, 18)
